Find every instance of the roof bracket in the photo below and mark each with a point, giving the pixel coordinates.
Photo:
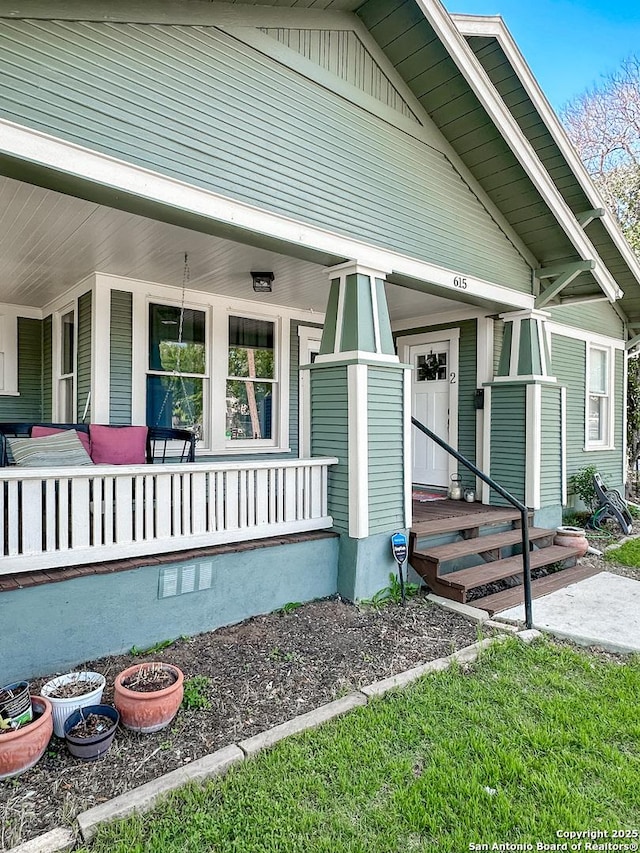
(589, 215)
(633, 342)
(564, 275)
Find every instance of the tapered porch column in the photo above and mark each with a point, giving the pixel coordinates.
(361, 409)
(526, 424)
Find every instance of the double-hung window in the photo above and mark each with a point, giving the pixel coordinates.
(598, 409)
(177, 381)
(251, 380)
(66, 381)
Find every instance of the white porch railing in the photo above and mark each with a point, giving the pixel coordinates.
(54, 517)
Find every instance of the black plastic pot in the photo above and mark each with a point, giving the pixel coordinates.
(95, 746)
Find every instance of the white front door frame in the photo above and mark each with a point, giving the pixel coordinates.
(452, 336)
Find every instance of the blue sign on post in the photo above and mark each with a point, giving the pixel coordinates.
(399, 548)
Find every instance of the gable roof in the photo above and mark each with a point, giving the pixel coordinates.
(500, 57)
(472, 110)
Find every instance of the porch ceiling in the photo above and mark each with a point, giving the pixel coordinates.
(50, 241)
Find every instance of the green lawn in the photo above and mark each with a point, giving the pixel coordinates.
(627, 554)
(531, 740)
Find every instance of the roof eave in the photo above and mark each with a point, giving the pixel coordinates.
(495, 27)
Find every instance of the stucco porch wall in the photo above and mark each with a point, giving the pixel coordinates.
(56, 626)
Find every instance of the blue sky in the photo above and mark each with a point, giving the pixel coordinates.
(569, 45)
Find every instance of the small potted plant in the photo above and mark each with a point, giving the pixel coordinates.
(148, 695)
(23, 744)
(71, 691)
(15, 704)
(89, 731)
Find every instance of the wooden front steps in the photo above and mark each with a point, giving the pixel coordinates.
(543, 586)
(494, 552)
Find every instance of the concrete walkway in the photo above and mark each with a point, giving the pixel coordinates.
(603, 610)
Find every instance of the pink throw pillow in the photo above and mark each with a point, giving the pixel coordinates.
(118, 445)
(41, 431)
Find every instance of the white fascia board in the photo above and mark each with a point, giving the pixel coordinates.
(475, 75)
(34, 146)
(494, 26)
(584, 335)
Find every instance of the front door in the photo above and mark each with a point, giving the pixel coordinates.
(434, 382)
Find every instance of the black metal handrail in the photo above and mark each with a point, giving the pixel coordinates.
(524, 512)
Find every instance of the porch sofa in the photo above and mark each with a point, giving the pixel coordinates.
(161, 443)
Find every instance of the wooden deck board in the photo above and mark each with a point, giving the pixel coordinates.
(500, 601)
(480, 544)
(449, 521)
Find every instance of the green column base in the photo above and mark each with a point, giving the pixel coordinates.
(364, 565)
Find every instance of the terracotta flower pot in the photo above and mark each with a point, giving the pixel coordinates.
(22, 748)
(572, 537)
(148, 711)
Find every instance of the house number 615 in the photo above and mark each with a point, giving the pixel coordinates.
(460, 281)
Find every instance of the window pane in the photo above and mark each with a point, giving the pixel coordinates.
(432, 367)
(251, 347)
(170, 351)
(175, 401)
(598, 371)
(596, 418)
(249, 409)
(67, 344)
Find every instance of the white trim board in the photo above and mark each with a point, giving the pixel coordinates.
(584, 335)
(358, 462)
(61, 156)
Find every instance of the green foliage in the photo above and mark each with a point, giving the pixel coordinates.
(582, 486)
(195, 693)
(289, 607)
(391, 594)
(163, 644)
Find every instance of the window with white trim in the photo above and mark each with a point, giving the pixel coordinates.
(598, 403)
(251, 390)
(177, 380)
(67, 371)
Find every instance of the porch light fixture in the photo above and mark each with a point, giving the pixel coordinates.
(262, 281)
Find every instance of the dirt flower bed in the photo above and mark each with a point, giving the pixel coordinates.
(251, 676)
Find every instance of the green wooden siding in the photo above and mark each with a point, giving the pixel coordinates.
(551, 448)
(508, 440)
(330, 435)
(121, 346)
(83, 359)
(196, 104)
(342, 53)
(47, 369)
(596, 317)
(386, 449)
(467, 379)
(568, 357)
(498, 339)
(28, 406)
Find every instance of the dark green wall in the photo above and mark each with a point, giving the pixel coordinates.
(28, 405)
(47, 369)
(121, 346)
(83, 359)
